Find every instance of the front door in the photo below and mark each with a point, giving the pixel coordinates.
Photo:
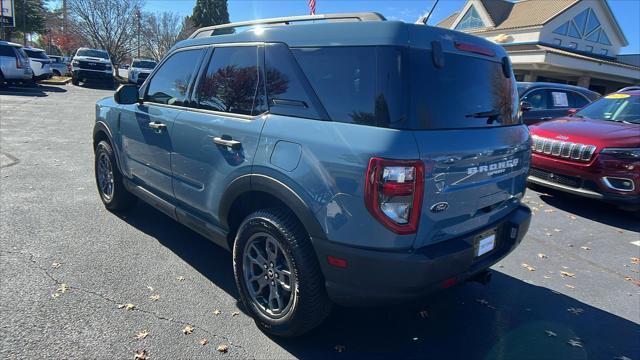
(215, 143)
(146, 128)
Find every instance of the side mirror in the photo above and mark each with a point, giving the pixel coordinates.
(572, 112)
(525, 106)
(126, 94)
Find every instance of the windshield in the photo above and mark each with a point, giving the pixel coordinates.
(36, 54)
(614, 107)
(93, 53)
(143, 64)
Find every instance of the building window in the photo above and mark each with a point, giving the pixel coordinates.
(589, 48)
(557, 41)
(604, 52)
(584, 26)
(573, 45)
(470, 20)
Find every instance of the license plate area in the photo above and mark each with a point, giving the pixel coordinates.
(485, 242)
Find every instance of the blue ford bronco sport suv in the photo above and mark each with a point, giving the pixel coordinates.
(346, 159)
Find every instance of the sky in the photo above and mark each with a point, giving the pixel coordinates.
(625, 11)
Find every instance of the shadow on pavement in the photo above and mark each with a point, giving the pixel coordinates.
(512, 324)
(31, 90)
(592, 209)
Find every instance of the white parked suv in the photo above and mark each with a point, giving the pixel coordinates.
(91, 64)
(40, 63)
(140, 70)
(14, 64)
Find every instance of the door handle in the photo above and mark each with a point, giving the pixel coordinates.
(157, 125)
(226, 140)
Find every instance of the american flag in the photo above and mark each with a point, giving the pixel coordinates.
(312, 7)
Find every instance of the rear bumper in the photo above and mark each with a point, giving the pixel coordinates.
(378, 277)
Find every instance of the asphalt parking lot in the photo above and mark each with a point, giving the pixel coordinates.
(68, 269)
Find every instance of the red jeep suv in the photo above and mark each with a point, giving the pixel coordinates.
(594, 153)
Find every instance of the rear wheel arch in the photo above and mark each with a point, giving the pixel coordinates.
(250, 193)
(101, 132)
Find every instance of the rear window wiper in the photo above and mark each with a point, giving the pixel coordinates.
(491, 115)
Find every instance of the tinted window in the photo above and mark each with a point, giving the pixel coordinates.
(576, 100)
(93, 53)
(231, 82)
(537, 99)
(144, 64)
(288, 92)
(614, 107)
(7, 51)
(170, 83)
(467, 91)
(361, 85)
(36, 54)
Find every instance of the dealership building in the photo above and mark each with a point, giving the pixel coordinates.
(567, 41)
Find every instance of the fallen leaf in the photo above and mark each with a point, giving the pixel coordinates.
(542, 256)
(549, 210)
(216, 312)
(570, 286)
(223, 348)
(628, 278)
(557, 230)
(203, 342)
(180, 278)
(56, 265)
(620, 231)
(548, 234)
(574, 343)
(534, 208)
(550, 333)
(235, 313)
(126, 306)
(55, 295)
(141, 355)
(572, 217)
(635, 261)
(424, 314)
(635, 271)
(585, 248)
(150, 288)
(566, 273)
(187, 330)
(142, 334)
(547, 277)
(154, 297)
(63, 288)
(575, 311)
(528, 267)
(340, 348)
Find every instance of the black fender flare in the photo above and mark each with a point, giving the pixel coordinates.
(101, 126)
(276, 188)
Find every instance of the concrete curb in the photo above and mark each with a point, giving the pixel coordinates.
(64, 81)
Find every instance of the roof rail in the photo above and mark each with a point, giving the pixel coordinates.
(229, 28)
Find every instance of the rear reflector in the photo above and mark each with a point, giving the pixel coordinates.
(473, 48)
(449, 283)
(341, 263)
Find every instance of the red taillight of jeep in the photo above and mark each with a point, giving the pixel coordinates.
(18, 63)
(393, 193)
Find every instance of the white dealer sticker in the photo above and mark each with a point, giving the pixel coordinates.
(485, 245)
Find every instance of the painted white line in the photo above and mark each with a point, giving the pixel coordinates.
(636, 243)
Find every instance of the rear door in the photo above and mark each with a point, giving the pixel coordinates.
(146, 127)
(215, 142)
(475, 150)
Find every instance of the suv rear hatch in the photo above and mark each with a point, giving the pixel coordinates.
(476, 152)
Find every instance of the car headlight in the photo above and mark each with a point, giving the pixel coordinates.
(75, 63)
(623, 153)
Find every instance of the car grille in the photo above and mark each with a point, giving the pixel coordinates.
(562, 149)
(572, 181)
(92, 65)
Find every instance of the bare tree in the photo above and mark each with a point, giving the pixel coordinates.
(160, 32)
(107, 24)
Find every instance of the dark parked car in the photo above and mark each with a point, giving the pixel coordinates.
(339, 161)
(541, 101)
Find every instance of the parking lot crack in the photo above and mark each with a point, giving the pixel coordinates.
(32, 260)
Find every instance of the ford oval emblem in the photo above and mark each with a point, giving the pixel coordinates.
(439, 207)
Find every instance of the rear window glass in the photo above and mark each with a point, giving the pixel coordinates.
(144, 64)
(6, 50)
(36, 54)
(400, 88)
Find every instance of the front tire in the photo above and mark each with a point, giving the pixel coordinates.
(109, 180)
(278, 275)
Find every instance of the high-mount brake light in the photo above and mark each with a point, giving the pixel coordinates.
(393, 193)
(473, 48)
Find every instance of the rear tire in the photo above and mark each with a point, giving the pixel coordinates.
(307, 304)
(2, 83)
(75, 81)
(113, 194)
(56, 73)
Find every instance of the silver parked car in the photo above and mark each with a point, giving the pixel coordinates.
(40, 63)
(58, 65)
(14, 64)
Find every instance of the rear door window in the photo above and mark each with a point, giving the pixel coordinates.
(232, 83)
(7, 51)
(537, 99)
(577, 100)
(170, 83)
(559, 99)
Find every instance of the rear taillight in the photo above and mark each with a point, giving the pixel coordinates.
(18, 63)
(393, 193)
(473, 48)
